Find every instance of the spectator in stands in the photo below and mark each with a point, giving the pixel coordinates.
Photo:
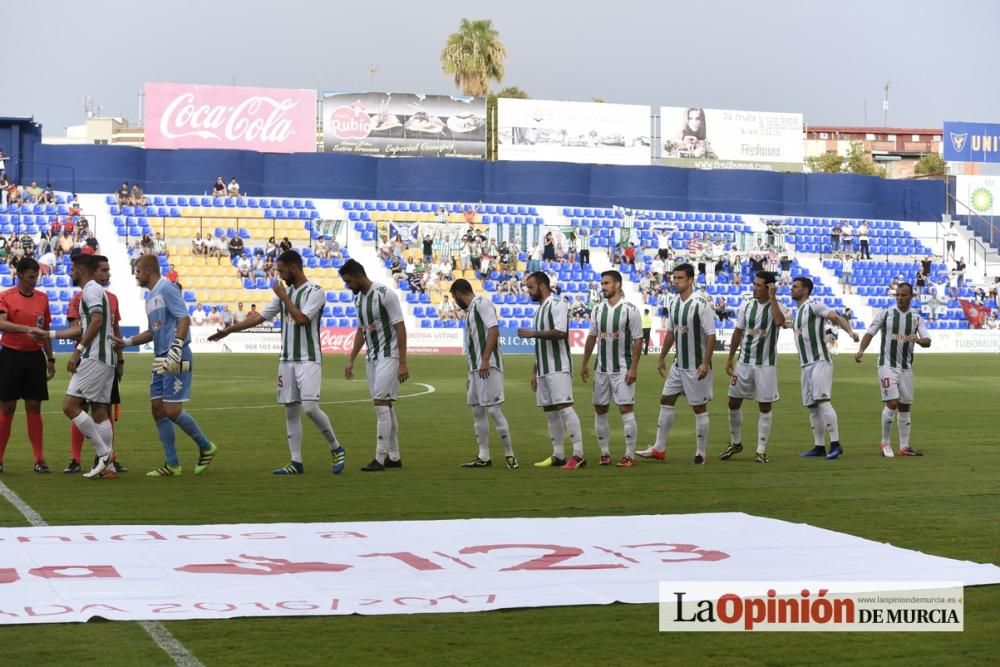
(134, 253)
(572, 247)
(4, 250)
(447, 310)
(648, 285)
(920, 282)
(864, 232)
(48, 196)
(548, 248)
(992, 322)
(416, 279)
(244, 267)
(504, 257)
(333, 250)
(893, 285)
(124, 195)
(214, 318)
(708, 261)
(396, 268)
(34, 193)
(47, 262)
(4, 189)
(271, 249)
(736, 267)
(385, 249)
(216, 247)
(628, 256)
(3, 165)
(240, 314)
(27, 245)
(441, 216)
(960, 272)
(835, 233)
(722, 310)
(259, 265)
(198, 245)
(285, 245)
(233, 189)
(171, 274)
(398, 246)
(225, 315)
(235, 247)
(137, 196)
(43, 245)
(657, 266)
(219, 188)
(664, 242)
(465, 253)
(160, 245)
(785, 266)
(535, 257)
(428, 248)
(66, 245)
(950, 236)
(847, 238)
(445, 270)
(935, 304)
(198, 316)
(13, 195)
(847, 272)
(74, 207)
(584, 247)
(470, 215)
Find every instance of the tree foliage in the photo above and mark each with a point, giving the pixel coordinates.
(930, 164)
(859, 162)
(474, 56)
(827, 163)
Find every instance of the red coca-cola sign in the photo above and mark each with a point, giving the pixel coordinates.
(271, 120)
(336, 340)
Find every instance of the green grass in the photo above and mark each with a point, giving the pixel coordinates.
(945, 503)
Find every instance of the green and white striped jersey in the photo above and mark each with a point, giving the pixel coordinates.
(378, 312)
(896, 326)
(300, 342)
(616, 328)
(691, 322)
(93, 302)
(759, 346)
(552, 356)
(479, 319)
(809, 338)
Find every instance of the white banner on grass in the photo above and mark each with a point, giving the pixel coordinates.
(58, 574)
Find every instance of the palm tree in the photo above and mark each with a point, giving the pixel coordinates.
(474, 56)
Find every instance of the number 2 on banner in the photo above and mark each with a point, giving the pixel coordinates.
(557, 554)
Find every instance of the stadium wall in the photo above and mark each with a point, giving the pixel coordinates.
(101, 169)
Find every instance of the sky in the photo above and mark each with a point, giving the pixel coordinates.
(828, 60)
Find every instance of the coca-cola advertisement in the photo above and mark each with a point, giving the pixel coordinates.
(269, 120)
(404, 124)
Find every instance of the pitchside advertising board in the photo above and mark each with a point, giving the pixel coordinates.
(728, 139)
(404, 124)
(269, 120)
(980, 193)
(585, 132)
(971, 142)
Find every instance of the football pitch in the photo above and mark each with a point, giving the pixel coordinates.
(946, 503)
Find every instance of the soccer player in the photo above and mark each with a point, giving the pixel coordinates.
(552, 374)
(381, 328)
(26, 363)
(817, 369)
(616, 329)
(901, 329)
(300, 369)
(753, 354)
(484, 384)
(103, 276)
(691, 325)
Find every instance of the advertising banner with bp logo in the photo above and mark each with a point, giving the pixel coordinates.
(980, 193)
(971, 142)
(404, 124)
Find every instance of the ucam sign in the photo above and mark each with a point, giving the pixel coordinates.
(269, 120)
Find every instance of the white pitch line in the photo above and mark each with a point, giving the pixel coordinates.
(156, 630)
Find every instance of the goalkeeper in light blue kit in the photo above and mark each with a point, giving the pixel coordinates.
(170, 387)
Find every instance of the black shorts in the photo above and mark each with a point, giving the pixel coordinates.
(23, 376)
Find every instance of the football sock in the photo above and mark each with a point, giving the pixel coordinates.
(701, 432)
(764, 431)
(322, 421)
(903, 422)
(556, 432)
(663, 426)
(190, 426)
(5, 422)
(887, 417)
(90, 430)
(165, 428)
(393, 435)
(383, 428)
(574, 429)
(75, 442)
(829, 420)
(819, 435)
(481, 425)
(503, 430)
(293, 429)
(603, 430)
(35, 434)
(631, 429)
(107, 434)
(736, 426)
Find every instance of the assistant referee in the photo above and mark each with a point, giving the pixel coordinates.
(26, 365)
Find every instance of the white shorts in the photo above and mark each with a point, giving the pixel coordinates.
(817, 382)
(608, 386)
(92, 381)
(383, 379)
(896, 384)
(554, 389)
(697, 392)
(485, 393)
(759, 383)
(299, 381)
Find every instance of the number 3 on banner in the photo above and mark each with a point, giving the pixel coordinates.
(549, 561)
(699, 554)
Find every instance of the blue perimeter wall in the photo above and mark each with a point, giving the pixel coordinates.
(101, 169)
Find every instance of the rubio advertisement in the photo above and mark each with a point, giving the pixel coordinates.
(269, 120)
(404, 124)
(971, 142)
(726, 139)
(588, 132)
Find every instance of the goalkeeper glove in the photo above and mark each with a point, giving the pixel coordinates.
(164, 366)
(175, 351)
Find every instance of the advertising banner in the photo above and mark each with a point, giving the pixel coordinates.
(971, 142)
(587, 132)
(404, 124)
(727, 139)
(981, 194)
(269, 120)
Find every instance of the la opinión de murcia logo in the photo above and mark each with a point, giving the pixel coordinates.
(257, 118)
(958, 140)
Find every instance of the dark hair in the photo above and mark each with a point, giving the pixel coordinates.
(904, 284)
(686, 268)
(27, 264)
(87, 262)
(290, 257)
(614, 275)
(461, 286)
(352, 267)
(540, 277)
(767, 276)
(687, 131)
(805, 282)
(101, 258)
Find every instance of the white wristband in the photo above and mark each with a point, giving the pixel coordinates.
(127, 342)
(52, 333)
(80, 348)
